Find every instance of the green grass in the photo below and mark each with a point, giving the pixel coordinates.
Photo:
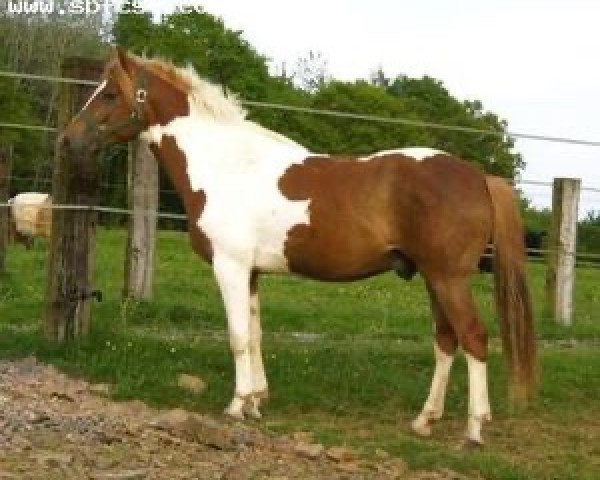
(359, 384)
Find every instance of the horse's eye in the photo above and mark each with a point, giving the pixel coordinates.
(109, 96)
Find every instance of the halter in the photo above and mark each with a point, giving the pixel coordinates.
(141, 94)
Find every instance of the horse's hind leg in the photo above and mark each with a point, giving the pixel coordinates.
(444, 348)
(456, 302)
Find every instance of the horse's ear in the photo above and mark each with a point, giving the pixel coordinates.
(123, 59)
(122, 55)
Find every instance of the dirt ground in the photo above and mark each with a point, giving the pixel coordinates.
(56, 427)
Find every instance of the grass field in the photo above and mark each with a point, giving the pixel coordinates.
(359, 381)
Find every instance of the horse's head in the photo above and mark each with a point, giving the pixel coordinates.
(117, 111)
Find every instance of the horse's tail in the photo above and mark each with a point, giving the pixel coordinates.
(513, 300)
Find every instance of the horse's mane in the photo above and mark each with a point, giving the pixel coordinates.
(206, 98)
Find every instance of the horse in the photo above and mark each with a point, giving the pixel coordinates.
(258, 202)
(30, 217)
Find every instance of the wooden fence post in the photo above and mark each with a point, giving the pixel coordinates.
(5, 173)
(560, 274)
(141, 238)
(72, 245)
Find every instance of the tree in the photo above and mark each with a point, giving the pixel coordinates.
(592, 218)
(431, 101)
(310, 73)
(588, 233)
(38, 44)
(192, 36)
(348, 136)
(378, 78)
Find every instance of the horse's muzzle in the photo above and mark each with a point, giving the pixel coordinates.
(76, 145)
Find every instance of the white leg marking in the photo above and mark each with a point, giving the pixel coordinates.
(258, 369)
(233, 279)
(434, 405)
(479, 404)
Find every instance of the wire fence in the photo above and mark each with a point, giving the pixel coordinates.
(323, 112)
(102, 209)
(48, 181)
(102, 185)
(333, 113)
(534, 252)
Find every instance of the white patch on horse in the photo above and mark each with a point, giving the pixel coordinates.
(434, 406)
(418, 153)
(94, 95)
(238, 165)
(479, 404)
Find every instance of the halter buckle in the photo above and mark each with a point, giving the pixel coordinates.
(140, 95)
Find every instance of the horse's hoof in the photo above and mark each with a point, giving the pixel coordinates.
(251, 407)
(254, 413)
(236, 408)
(422, 427)
(262, 396)
(234, 413)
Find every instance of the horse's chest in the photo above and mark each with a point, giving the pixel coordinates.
(248, 217)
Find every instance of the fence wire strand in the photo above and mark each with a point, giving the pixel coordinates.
(21, 126)
(116, 185)
(334, 113)
(183, 217)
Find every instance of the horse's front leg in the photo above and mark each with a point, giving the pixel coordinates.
(259, 378)
(233, 278)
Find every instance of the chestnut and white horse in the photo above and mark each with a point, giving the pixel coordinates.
(258, 202)
(31, 216)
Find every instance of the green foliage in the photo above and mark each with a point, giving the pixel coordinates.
(17, 106)
(431, 102)
(310, 73)
(190, 36)
(537, 220)
(38, 44)
(588, 233)
(588, 238)
(340, 135)
(588, 229)
(592, 218)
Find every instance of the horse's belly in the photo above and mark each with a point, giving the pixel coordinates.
(336, 254)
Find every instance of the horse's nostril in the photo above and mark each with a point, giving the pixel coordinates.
(64, 142)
